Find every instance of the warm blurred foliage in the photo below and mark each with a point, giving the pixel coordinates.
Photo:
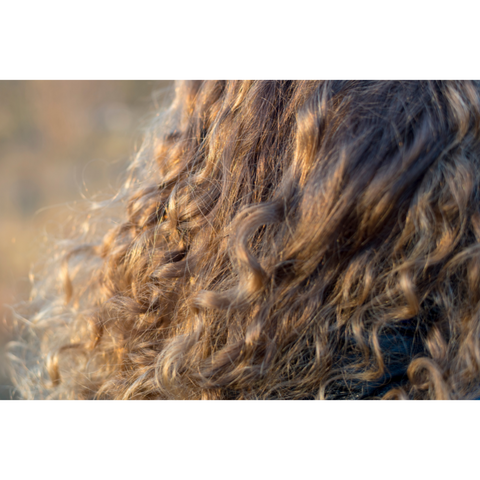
(59, 141)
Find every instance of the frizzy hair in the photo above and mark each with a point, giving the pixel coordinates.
(275, 235)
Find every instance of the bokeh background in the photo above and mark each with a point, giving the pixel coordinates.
(59, 141)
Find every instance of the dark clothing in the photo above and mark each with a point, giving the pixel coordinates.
(399, 347)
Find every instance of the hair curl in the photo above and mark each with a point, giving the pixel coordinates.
(280, 239)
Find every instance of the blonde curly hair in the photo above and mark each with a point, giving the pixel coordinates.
(278, 240)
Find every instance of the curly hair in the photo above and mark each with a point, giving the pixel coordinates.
(276, 240)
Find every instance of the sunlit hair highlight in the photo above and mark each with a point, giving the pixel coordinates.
(279, 240)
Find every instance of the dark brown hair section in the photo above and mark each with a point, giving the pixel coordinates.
(278, 239)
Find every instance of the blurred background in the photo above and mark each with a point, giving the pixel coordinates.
(59, 140)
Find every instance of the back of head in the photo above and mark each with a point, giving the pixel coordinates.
(280, 239)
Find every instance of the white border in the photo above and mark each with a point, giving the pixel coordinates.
(239, 440)
(302, 39)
